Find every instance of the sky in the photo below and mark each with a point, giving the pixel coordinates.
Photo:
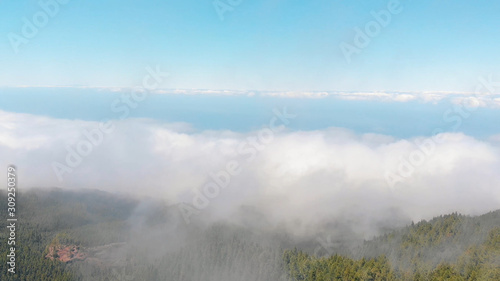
(257, 45)
(311, 110)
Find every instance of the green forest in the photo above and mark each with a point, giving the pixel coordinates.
(112, 237)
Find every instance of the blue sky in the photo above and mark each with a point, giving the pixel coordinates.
(260, 45)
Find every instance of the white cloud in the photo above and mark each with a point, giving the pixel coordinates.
(488, 100)
(469, 98)
(300, 178)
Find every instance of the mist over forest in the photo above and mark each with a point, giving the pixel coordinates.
(117, 237)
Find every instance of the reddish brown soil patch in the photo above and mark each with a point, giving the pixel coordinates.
(66, 253)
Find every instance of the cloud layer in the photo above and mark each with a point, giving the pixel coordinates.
(485, 94)
(297, 179)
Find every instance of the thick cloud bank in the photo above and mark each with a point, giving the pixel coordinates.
(296, 179)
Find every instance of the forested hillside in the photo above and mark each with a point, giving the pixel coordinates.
(90, 217)
(481, 262)
(450, 247)
(92, 235)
